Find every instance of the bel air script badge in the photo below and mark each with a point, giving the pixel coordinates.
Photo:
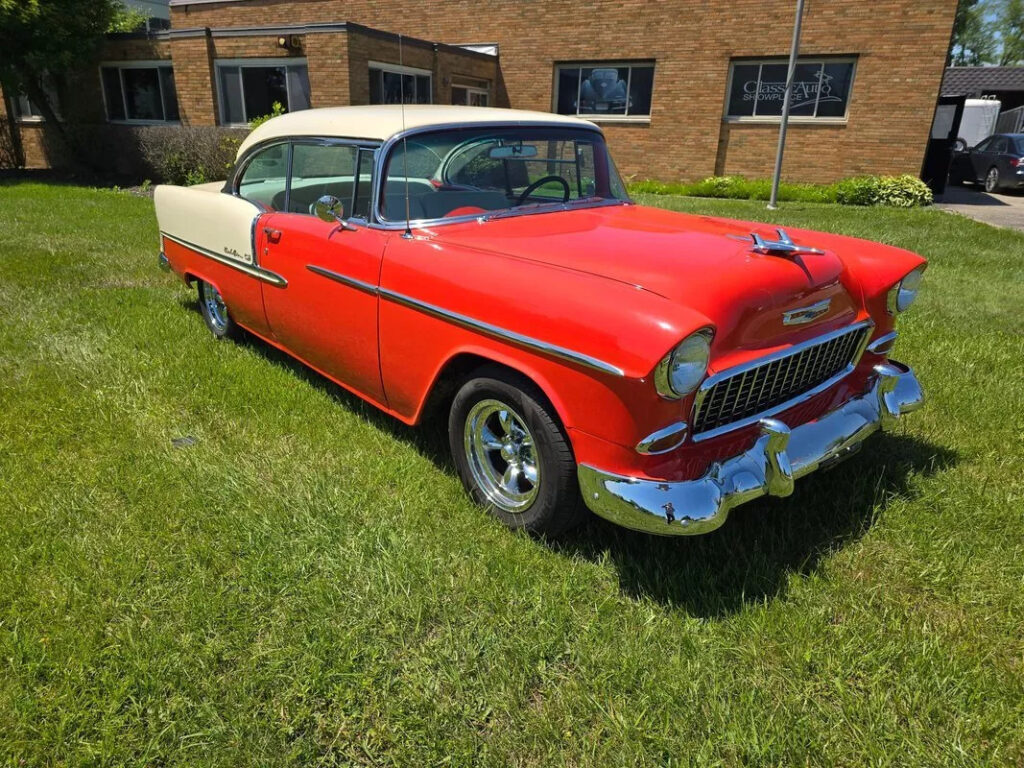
(806, 314)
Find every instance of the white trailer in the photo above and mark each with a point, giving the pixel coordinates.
(978, 122)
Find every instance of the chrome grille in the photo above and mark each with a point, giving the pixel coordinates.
(732, 398)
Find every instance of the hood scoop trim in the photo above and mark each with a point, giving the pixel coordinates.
(784, 246)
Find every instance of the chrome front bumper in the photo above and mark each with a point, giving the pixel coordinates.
(780, 456)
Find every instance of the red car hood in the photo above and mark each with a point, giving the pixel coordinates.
(701, 262)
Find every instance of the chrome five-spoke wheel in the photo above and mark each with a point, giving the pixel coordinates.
(512, 453)
(501, 454)
(215, 311)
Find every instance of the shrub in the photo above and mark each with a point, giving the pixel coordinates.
(187, 154)
(897, 191)
(276, 110)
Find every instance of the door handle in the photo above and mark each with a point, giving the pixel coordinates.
(273, 235)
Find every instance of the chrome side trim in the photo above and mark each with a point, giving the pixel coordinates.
(502, 333)
(883, 344)
(249, 269)
(351, 282)
(780, 456)
(791, 350)
(469, 322)
(677, 430)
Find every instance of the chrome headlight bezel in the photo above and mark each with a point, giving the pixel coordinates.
(672, 382)
(902, 295)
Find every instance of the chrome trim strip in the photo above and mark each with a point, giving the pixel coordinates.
(781, 455)
(469, 322)
(883, 344)
(249, 269)
(679, 429)
(501, 333)
(863, 327)
(351, 282)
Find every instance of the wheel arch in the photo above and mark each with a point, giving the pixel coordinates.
(459, 367)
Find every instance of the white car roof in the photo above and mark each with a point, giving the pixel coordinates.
(381, 122)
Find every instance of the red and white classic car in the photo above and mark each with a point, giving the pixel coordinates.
(488, 264)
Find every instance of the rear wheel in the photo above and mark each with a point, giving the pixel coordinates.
(215, 312)
(992, 180)
(512, 454)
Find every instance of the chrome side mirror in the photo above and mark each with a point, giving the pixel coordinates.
(330, 209)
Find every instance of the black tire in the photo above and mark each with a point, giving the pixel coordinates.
(991, 180)
(215, 313)
(555, 506)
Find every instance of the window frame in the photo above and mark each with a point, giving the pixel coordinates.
(256, 63)
(776, 119)
(470, 90)
(606, 64)
(120, 66)
(402, 69)
(25, 116)
(372, 146)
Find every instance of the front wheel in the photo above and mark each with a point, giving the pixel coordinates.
(512, 454)
(992, 180)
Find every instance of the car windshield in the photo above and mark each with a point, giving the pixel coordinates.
(497, 170)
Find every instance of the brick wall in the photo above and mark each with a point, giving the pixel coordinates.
(900, 44)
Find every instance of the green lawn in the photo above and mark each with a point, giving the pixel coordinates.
(304, 583)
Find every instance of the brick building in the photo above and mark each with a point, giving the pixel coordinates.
(683, 88)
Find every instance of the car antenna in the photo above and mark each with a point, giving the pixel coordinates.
(405, 147)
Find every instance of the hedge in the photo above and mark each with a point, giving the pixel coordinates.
(904, 191)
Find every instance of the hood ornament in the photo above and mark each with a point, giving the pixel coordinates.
(784, 246)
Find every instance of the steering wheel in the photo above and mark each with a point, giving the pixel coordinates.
(540, 183)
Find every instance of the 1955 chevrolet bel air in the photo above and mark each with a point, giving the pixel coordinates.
(488, 264)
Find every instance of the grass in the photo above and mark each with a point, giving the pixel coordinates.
(303, 582)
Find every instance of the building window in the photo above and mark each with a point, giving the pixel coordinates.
(139, 92)
(471, 96)
(821, 89)
(392, 84)
(249, 88)
(26, 111)
(611, 90)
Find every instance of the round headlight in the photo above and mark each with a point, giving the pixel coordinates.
(684, 367)
(905, 291)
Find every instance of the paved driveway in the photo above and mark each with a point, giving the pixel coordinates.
(1003, 210)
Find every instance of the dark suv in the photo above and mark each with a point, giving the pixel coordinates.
(997, 162)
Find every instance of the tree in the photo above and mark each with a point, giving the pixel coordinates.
(42, 39)
(1009, 18)
(974, 41)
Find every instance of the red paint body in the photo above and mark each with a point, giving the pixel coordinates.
(622, 284)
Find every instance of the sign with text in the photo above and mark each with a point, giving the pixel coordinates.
(820, 89)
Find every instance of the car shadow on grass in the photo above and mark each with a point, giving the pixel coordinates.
(748, 560)
(765, 543)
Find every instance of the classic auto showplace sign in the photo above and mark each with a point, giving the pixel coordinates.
(821, 89)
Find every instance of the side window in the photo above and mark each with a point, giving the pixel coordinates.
(265, 177)
(1000, 147)
(322, 169)
(985, 146)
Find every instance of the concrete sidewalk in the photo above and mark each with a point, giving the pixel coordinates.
(1001, 210)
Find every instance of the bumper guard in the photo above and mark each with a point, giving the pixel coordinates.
(779, 457)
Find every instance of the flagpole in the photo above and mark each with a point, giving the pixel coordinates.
(794, 52)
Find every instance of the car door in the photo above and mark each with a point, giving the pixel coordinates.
(981, 158)
(327, 313)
